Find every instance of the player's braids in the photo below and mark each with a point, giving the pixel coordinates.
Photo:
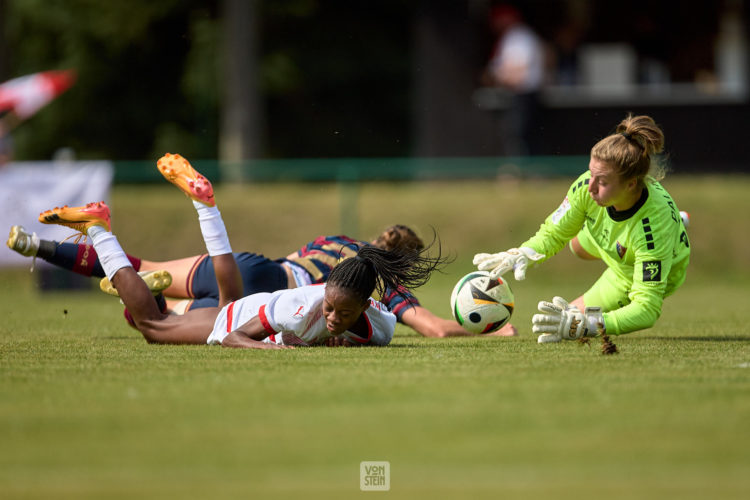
(376, 269)
(632, 149)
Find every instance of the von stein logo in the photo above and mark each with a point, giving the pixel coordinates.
(374, 476)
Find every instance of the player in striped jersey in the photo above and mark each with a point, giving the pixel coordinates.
(194, 281)
(617, 212)
(335, 313)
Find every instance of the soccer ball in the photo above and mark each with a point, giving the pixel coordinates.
(482, 304)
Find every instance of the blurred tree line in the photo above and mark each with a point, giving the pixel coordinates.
(329, 79)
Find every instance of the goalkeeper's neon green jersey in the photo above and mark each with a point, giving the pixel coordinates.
(646, 248)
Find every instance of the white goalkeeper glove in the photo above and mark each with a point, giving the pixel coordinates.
(517, 259)
(560, 320)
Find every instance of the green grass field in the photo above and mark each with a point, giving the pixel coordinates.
(89, 410)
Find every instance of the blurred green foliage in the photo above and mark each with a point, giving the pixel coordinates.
(333, 78)
(131, 59)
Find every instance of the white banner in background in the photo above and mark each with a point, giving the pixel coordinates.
(29, 188)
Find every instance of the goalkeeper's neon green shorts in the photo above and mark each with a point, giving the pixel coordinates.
(611, 291)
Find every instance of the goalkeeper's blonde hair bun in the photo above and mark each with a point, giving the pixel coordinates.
(632, 149)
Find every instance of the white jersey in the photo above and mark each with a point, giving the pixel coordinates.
(295, 317)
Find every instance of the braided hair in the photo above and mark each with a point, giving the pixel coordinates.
(374, 269)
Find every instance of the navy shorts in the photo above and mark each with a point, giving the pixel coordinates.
(259, 274)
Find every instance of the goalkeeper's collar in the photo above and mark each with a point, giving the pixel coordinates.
(626, 214)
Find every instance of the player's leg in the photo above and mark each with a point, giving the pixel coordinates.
(259, 274)
(182, 271)
(179, 172)
(227, 277)
(78, 258)
(82, 259)
(94, 221)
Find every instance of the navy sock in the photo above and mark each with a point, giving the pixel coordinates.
(79, 258)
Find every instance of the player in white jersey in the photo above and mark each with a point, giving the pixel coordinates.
(295, 317)
(339, 313)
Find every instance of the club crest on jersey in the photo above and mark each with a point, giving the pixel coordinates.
(620, 249)
(652, 270)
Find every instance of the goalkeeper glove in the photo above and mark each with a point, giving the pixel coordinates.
(560, 320)
(517, 259)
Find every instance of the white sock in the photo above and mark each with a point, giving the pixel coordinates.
(111, 256)
(213, 230)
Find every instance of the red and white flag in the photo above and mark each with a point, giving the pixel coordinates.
(26, 95)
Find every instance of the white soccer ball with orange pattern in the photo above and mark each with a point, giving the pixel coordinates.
(482, 304)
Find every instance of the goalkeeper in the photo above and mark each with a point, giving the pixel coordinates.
(617, 212)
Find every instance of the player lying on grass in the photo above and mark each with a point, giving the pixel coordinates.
(335, 313)
(617, 212)
(193, 279)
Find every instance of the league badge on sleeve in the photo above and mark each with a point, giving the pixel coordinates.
(652, 270)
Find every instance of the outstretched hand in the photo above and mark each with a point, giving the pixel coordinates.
(241, 340)
(516, 259)
(560, 320)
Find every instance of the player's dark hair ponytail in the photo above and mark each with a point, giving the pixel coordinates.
(377, 269)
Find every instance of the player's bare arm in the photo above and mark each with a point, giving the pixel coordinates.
(250, 336)
(427, 324)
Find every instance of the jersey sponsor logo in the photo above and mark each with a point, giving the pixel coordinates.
(652, 270)
(299, 313)
(620, 249)
(561, 210)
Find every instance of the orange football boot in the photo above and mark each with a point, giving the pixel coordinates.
(78, 218)
(179, 172)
